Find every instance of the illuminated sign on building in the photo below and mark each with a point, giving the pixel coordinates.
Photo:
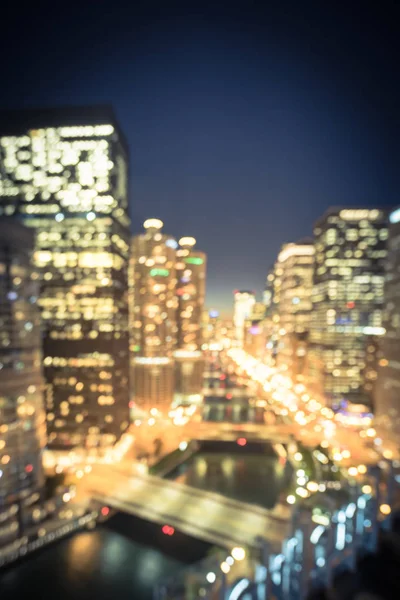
(193, 260)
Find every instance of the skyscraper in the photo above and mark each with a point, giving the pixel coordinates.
(22, 417)
(387, 395)
(348, 296)
(243, 304)
(295, 267)
(189, 362)
(64, 174)
(153, 321)
(254, 331)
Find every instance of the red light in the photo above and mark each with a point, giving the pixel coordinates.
(29, 468)
(168, 530)
(222, 377)
(351, 304)
(229, 396)
(241, 441)
(131, 404)
(105, 511)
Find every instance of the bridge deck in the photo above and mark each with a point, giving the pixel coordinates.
(198, 513)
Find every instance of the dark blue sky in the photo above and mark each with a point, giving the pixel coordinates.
(245, 120)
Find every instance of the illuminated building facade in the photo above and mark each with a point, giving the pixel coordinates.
(348, 297)
(387, 396)
(64, 174)
(191, 289)
(243, 304)
(153, 325)
(217, 332)
(254, 331)
(22, 416)
(271, 320)
(294, 283)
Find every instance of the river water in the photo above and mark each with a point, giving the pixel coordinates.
(249, 478)
(121, 560)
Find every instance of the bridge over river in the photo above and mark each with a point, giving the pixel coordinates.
(201, 514)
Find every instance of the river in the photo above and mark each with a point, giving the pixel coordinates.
(121, 559)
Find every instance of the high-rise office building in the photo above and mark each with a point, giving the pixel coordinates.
(22, 416)
(348, 297)
(295, 266)
(243, 304)
(271, 320)
(191, 287)
(64, 174)
(153, 320)
(387, 394)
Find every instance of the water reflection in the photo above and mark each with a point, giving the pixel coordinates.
(249, 478)
(101, 565)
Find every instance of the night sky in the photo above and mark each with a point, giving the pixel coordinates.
(245, 120)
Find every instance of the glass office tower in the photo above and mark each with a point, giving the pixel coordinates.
(348, 302)
(191, 288)
(22, 417)
(64, 174)
(153, 325)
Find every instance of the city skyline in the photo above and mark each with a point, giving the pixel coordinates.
(228, 114)
(199, 301)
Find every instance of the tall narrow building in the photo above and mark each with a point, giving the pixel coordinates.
(295, 266)
(64, 174)
(387, 393)
(243, 305)
(153, 322)
(22, 416)
(348, 302)
(191, 284)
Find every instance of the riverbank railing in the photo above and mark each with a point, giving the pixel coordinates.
(316, 548)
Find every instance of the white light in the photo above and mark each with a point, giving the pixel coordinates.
(295, 250)
(316, 534)
(238, 589)
(59, 217)
(230, 560)
(183, 446)
(187, 354)
(211, 577)
(341, 536)
(151, 360)
(187, 241)
(374, 331)
(291, 499)
(91, 216)
(153, 224)
(238, 553)
(225, 568)
(394, 217)
(171, 244)
(320, 562)
(350, 510)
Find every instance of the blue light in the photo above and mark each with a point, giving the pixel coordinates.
(367, 523)
(296, 300)
(171, 244)
(213, 314)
